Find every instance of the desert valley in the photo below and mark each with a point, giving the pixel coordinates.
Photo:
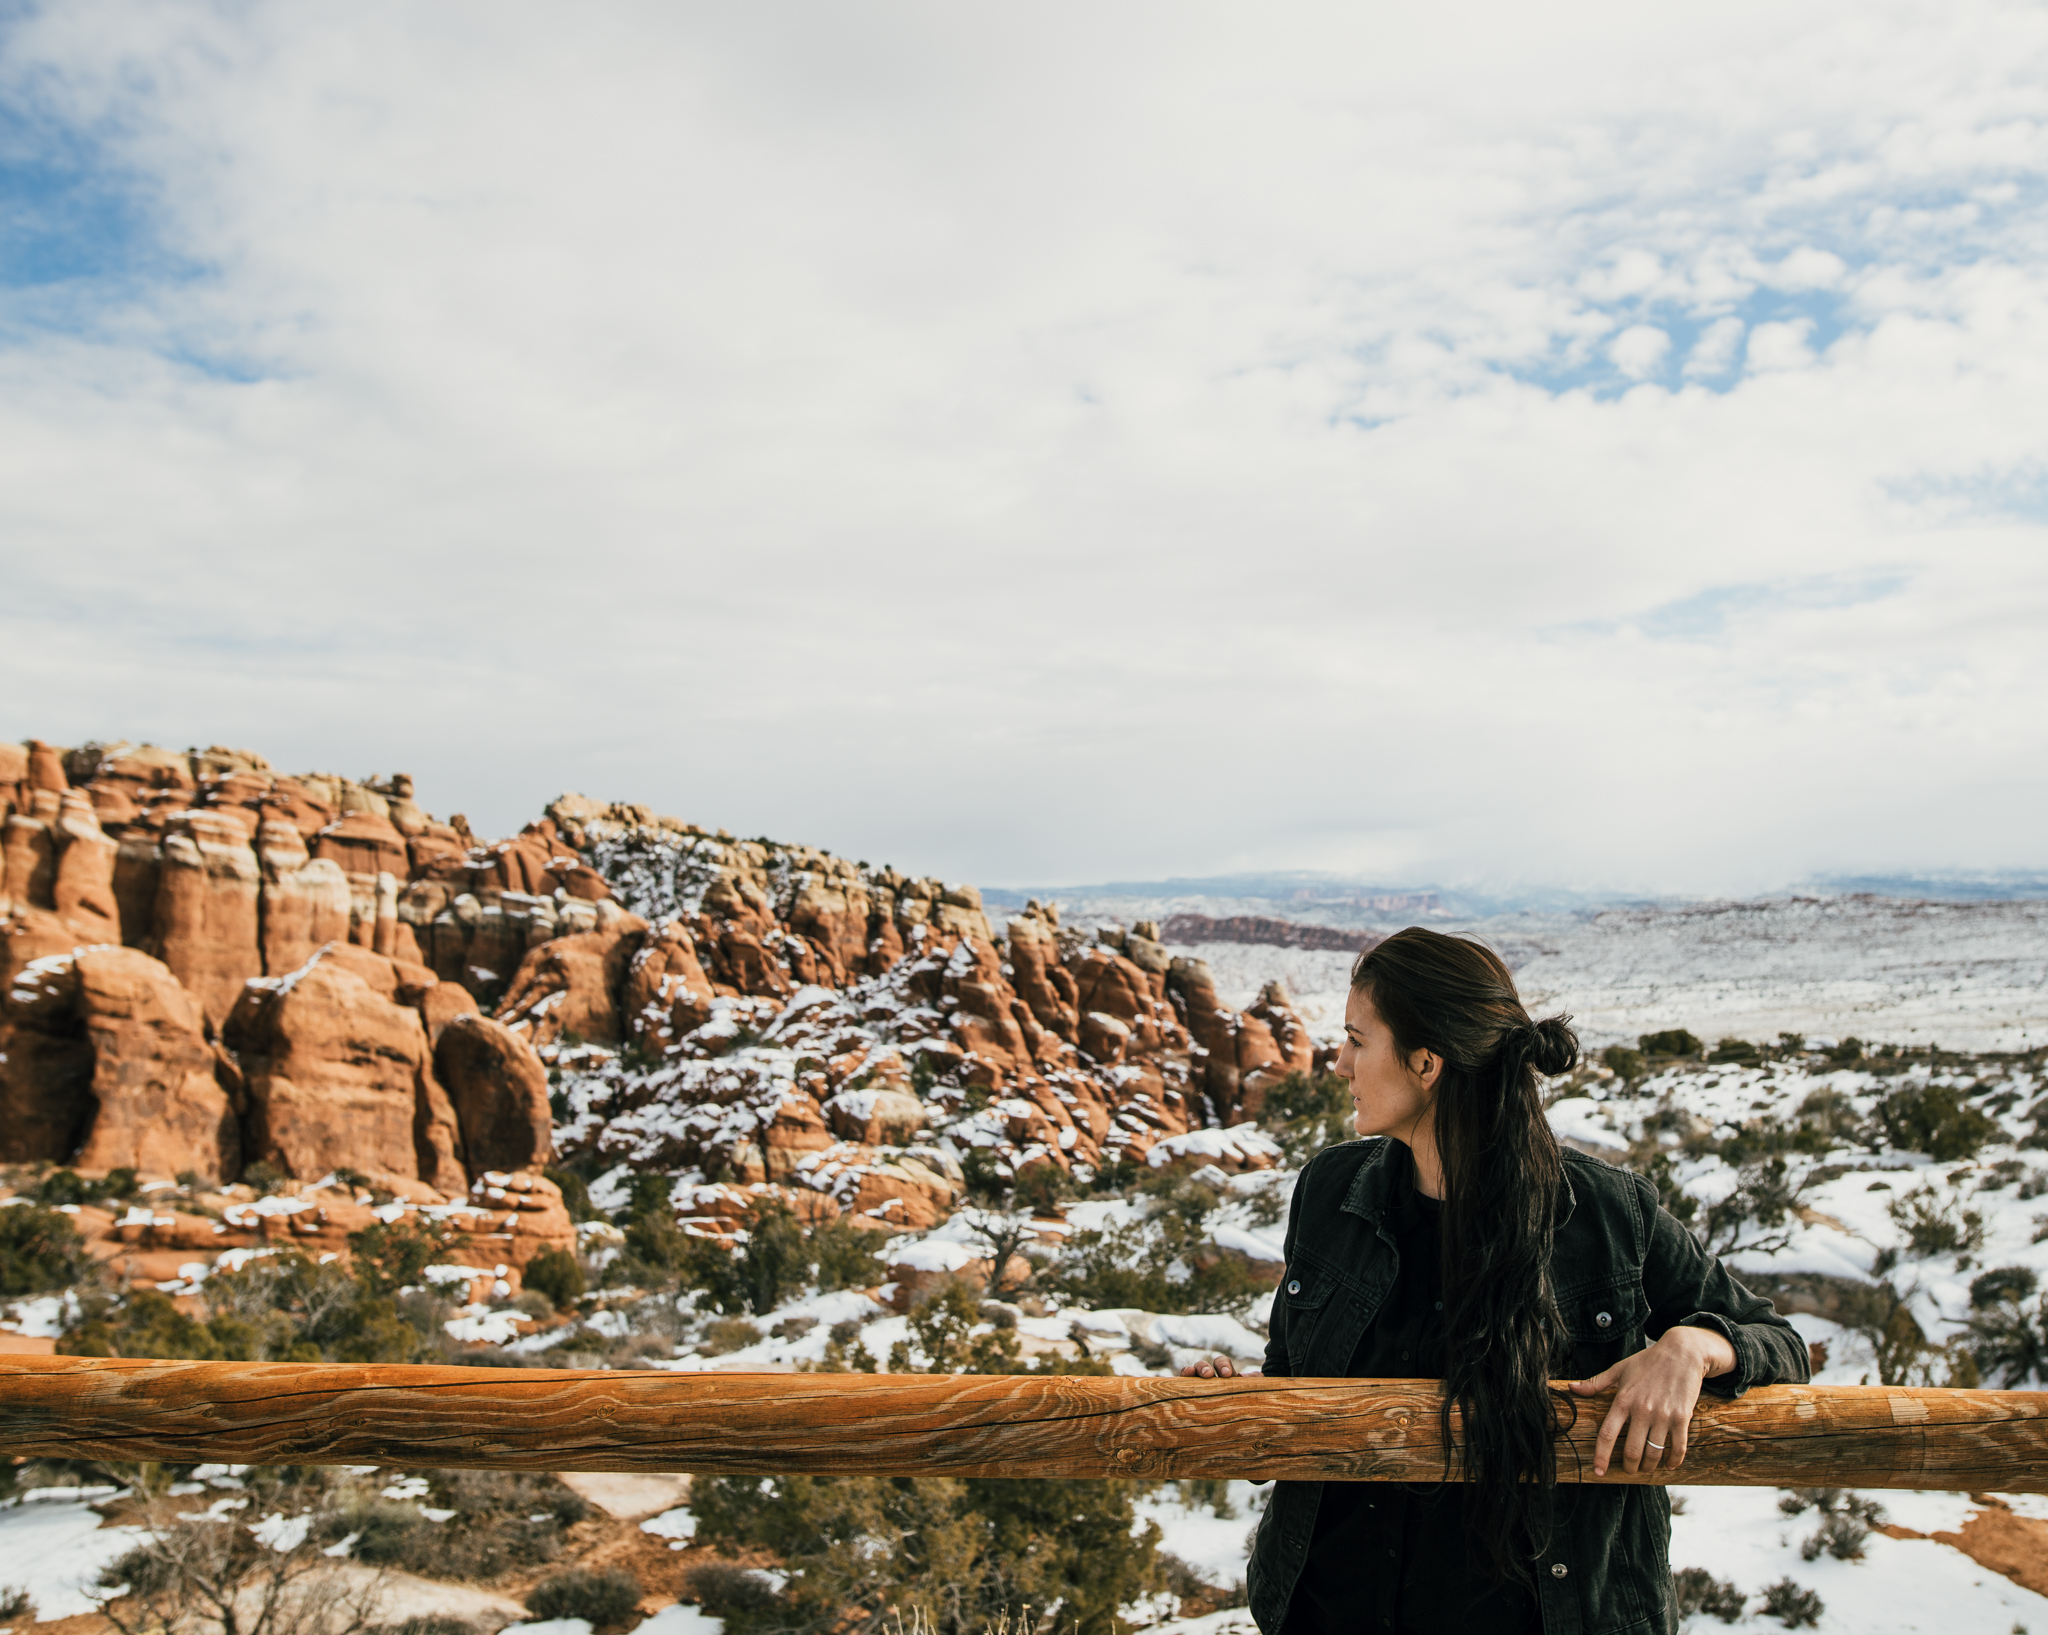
(291, 1069)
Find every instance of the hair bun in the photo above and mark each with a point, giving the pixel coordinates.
(1553, 1046)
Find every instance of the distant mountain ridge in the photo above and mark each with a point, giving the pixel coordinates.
(1309, 897)
(1254, 928)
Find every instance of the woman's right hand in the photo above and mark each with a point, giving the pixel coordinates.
(1217, 1368)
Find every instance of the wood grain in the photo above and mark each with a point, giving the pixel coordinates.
(955, 1425)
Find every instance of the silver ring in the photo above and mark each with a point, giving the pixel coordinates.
(1659, 1446)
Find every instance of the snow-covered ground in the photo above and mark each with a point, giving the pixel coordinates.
(1969, 976)
(53, 1546)
(1900, 1587)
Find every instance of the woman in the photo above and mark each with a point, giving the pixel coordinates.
(1458, 1242)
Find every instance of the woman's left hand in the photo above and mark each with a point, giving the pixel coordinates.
(1654, 1405)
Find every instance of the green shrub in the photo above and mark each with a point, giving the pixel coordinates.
(1846, 1519)
(1671, 1042)
(263, 1177)
(730, 1592)
(770, 1264)
(756, 1276)
(601, 1598)
(963, 1554)
(1042, 1188)
(1698, 1591)
(2008, 1343)
(1847, 1053)
(40, 1251)
(531, 1496)
(2006, 1285)
(148, 1324)
(68, 1187)
(575, 1194)
(280, 1308)
(657, 1250)
(1830, 1114)
(555, 1273)
(724, 1334)
(389, 1256)
(503, 1521)
(1163, 1262)
(1767, 1137)
(1765, 1194)
(844, 1256)
(1627, 1065)
(1934, 1225)
(389, 1533)
(1934, 1119)
(942, 1324)
(1736, 1050)
(1308, 1112)
(1792, 1604)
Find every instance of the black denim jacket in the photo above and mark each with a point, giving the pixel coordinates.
(1623, 1272)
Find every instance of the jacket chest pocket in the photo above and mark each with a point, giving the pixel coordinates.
(1604, 1322)
(1314, 1300)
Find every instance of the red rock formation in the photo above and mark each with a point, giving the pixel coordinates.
(499, 1090)
(831, 914)
(797, 1132)
(83, 892)
(46, 1063)
(107, 1064)
(363, 842)
(875, 1118)
(667, 993)
(337, 1072)
(572, 984)
(352, 901)
(1185, 928)
(160, 1106)
(46, 767)
(305, 901)
(513, 1218)
(1275, 1006)
(205, 923)
(1048, 989)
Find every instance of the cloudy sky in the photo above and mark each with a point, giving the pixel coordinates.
(1586, 444)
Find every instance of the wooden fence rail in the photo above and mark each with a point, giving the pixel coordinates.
(954, 1424)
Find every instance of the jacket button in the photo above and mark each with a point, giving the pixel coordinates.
(1603, 1319)
(1558, 1569)
(1294, 1287)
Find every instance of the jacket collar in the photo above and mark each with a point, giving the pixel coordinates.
(1385, 1167)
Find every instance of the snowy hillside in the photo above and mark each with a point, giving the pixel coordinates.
(1969, 976)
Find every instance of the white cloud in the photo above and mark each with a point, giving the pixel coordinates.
(1807, 269)
(1055, 444)
(1781, 346)
(1639, 349)
(1718, 349)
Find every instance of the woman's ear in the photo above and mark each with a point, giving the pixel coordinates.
(1426, 1065)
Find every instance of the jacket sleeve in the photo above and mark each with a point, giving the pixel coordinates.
(1277, 1365)
(1689, 1288)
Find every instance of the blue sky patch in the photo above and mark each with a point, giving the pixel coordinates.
(67, 212)
(1709, 614)
(2016, 494)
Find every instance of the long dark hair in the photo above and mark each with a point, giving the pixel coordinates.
(1503, 1176)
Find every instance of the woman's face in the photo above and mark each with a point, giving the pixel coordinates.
(1389, 1096)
